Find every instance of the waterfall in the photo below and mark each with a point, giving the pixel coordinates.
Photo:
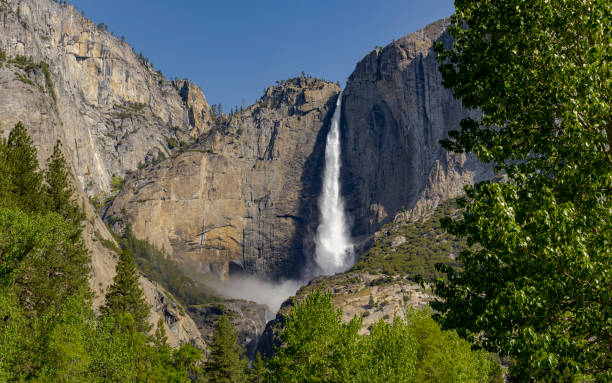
(333, 246)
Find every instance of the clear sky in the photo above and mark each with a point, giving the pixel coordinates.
(234, 49)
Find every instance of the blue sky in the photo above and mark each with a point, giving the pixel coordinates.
(234, 49)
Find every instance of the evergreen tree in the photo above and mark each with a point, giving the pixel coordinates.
(5, 184)
(125, 296)
(59, 188)
(258, 370)
(188, 358)
(225, 363)
(23, 177)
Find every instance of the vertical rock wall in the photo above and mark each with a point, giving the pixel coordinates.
(244, 198)
(395, 113)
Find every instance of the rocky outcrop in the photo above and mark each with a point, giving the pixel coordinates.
(243, 199)
(395, 111)
(108, 106)
(68, 80)
(372, 297)
(180, 328)
(248, 319)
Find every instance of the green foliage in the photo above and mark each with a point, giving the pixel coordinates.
(426, 244)
(125, 296)
(258, 371)
(536, 287)
(22, 179)
(43, 268)
(43, 255)
(130, 110)
(24, 63)
(444, 357)
(39, 258)
(114, 352)
(47, 329)
(66, 358)
(117, 183)
(158, 267)
(11, 334)
(24, 79)
(59, 188)
(317, 346)
(225, 363)
(44, 67)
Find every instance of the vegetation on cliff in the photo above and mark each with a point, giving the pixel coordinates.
(50, 333)
(161, 268)
(413, 248)
(536, 278)
(318, 346)
(48, 330)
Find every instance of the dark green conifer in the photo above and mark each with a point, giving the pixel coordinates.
(258, 370)
(59, 188)
(225, 364)
(23, 177)
(125, 296)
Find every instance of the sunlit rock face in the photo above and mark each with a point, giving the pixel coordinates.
(395, 113)
(244, 198)
(110, 109)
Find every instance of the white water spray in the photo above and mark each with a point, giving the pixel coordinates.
(333, 245)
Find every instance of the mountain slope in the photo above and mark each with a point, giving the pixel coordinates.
(111, 109)
(68, 80)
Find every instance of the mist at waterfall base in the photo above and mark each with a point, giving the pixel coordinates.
(333, 247)
(270, 293)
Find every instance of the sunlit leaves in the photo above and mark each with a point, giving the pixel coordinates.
(536, 283)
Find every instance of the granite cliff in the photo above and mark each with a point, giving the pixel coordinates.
(243, 198)
(108, 105)
(394, 115)
(226, 195)
(68, 80)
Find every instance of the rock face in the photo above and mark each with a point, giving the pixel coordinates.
(248, 318)
(109, 107)
(180, 328)
(243, 199)
(395, 111)
(67, 80)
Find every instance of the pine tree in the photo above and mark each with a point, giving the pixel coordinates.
(74, 259)
(25, 181)
(5, 184)
(59, 188)
(258, 371)
(225, 364)
(125, 296)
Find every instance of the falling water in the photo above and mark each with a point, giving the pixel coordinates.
(333, 245)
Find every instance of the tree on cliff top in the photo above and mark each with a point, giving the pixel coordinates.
(536, 284)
